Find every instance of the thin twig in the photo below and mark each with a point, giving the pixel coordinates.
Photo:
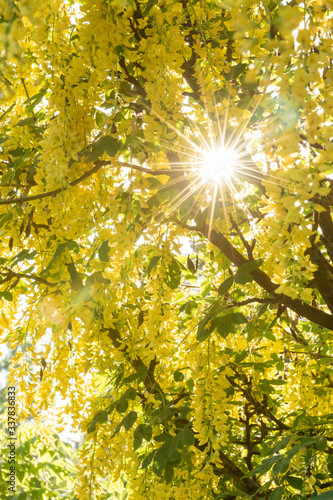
(97, 165)
(11, 274)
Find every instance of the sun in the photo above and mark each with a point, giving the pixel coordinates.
(218, 164)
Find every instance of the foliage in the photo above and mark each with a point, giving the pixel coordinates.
(41, 469)
(180, 315)
(45, 465)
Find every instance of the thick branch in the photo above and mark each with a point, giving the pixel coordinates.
(301, 308)
(323, 276)
(229, 468)
(326, 225)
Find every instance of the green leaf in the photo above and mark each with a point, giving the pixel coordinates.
(236, 318)
(178, 376)
(103, 251)
(152, 264)
(35, 97)
(295, 482)
(270, 336)
(25, 121)
(131, 378)
(7, 179)
(276, 494)
(203, 332)
(235, 71)
(328, 495)
(321, 443)
(240, 356)
(3, 139)
(168, 473)
(277, 381)
(161, 438)
(18, 152)
(224, 324)
(243, 277)
(35, 100)
(308, 457)
(5, 218)
(20, 473)
(106, 144)
(137, 440)
(186, 437)
(130, 393)
(174, 275)
(330, 466)
(70, 245)
(146, 431)
(148, 459)
(225, 286)
(170, 449)
(265, 466)
(190, 265)
(281, 467)
(122, 406)
(143, 431)
(251, 265)
(223, 327)
(261, 310)
(8, 110)
(7, 295)
(159, 462)
(306, 442)
(99, 118)
(22, 255)
(280, 445)
(111, 146)
(190, 309)
(142, 371)
(299, 419)
(129, 420)
(154, 183)
(205, 288)
(100, 418)
(201, 217)
(235, 493)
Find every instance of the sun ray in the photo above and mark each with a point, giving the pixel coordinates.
(218, 161)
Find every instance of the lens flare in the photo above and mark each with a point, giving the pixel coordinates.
(218, 164)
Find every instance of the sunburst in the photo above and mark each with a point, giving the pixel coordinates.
(218, 164)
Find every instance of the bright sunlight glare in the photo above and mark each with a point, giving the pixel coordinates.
(218, 164)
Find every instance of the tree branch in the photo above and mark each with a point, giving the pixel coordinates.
(323, 276)
(97, 165)
(301, 308)
(11, 274)
(131, 79)
(152, 386)
(11, 201)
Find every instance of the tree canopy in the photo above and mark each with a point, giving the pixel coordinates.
(167, 242)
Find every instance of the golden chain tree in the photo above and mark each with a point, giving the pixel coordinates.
(167, 242)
